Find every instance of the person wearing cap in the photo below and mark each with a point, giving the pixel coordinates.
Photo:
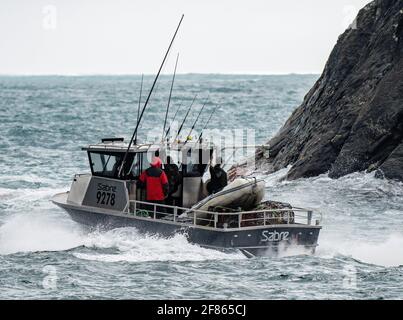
(218, 178)
(155, 182)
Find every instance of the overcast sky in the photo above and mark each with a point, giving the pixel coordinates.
(131, 36)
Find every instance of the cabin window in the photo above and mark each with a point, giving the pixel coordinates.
(105, 165)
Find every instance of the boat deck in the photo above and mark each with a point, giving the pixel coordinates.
(218, 221)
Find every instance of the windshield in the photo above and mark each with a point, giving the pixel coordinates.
(107, 164)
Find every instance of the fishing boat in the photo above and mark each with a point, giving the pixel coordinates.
(218, 221)
(234, 218)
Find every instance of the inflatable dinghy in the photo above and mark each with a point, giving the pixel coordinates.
(244, 193)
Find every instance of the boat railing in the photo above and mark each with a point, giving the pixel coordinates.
(223, 220)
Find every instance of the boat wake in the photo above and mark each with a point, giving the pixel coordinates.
(31, 223)
(44, 233)
(134, 247)
(38, 233)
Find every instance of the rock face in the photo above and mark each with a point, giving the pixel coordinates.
(352, 119)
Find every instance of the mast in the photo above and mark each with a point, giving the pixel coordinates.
(148, 98)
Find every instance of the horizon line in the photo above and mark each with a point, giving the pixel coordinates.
(151, 74)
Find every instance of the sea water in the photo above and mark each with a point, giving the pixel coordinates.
(44, 121)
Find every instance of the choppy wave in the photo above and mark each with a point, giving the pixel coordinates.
(36, 230)
(387, 253)
(46, 229)
(45, 121)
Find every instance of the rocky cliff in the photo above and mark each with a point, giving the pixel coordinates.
(352, 118)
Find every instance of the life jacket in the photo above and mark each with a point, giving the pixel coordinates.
(156, 182)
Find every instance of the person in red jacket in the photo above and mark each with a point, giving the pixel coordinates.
(155, 182)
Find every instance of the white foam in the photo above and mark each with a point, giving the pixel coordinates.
(44, 232)
(35, 232)
(39, 226)
(293, 251)
(349, 205)
(6, 194)
(134, 247)
(277, 177)
(30, 178)
(25, 196)
(387, 253)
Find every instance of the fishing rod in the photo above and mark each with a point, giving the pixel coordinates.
(148, 98)
(207, 123)
(184, 120)
(138, 108)
(197, 119)
(169, 99)
(170, 125)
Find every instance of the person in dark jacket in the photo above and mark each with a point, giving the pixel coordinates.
(171, 169)
(218, 179)
(155, 182)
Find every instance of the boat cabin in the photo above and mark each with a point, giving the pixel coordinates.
(192, 161)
